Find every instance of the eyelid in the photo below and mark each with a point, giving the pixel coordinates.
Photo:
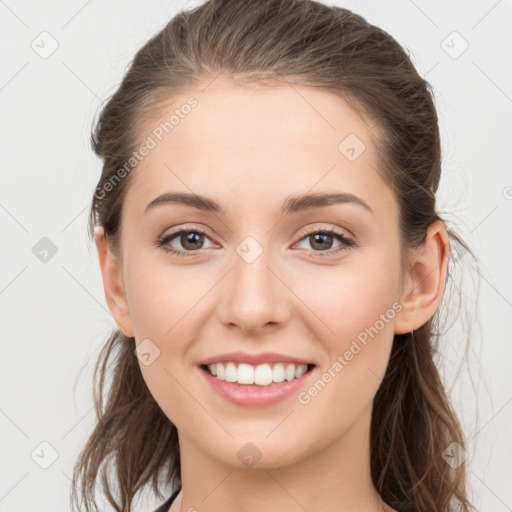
(325, 228)
(301, 234)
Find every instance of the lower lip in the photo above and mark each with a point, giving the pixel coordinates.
(253, 395)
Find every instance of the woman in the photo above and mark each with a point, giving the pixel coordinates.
(272, 255)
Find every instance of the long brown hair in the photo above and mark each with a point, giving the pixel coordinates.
(296, 42)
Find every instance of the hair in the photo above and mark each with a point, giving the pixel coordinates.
(272, 42)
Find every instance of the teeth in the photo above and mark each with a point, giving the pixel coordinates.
(289, 373)
(278, 373)
(230, 374)
(262, 375)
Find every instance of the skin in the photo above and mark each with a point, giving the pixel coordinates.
(249, 148)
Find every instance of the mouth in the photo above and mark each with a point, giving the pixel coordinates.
(264, 375)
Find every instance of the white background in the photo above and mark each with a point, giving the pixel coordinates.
(54, 316)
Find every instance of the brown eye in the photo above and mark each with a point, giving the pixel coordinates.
(321, 241)
(191, 240)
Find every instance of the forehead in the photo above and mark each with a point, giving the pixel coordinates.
(245, 144)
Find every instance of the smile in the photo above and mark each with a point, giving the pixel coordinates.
(256, 385)
(260, 375)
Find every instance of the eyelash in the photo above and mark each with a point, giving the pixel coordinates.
(346, 242)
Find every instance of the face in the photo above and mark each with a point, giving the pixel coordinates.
(320, 284)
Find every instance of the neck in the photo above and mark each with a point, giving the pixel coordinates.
(335, 477)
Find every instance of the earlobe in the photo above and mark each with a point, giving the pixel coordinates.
(425, 280)
(113, 286)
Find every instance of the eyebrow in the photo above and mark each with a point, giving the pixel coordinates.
(292, 204)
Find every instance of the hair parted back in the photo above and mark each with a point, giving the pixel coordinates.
(277, 42)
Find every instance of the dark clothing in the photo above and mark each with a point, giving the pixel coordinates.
(165, 507)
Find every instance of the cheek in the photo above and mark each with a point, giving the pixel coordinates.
(167, 307)
(162, 318)
(161, 298)
(350, 299)
(355, 310)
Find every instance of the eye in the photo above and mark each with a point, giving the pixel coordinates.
(190, 239)
(322, 242)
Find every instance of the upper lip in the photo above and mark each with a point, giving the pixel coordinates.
(254, 359)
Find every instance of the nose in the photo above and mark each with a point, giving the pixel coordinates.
(253, 295)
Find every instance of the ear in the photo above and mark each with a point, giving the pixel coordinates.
(111, 271)
(425, 280)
